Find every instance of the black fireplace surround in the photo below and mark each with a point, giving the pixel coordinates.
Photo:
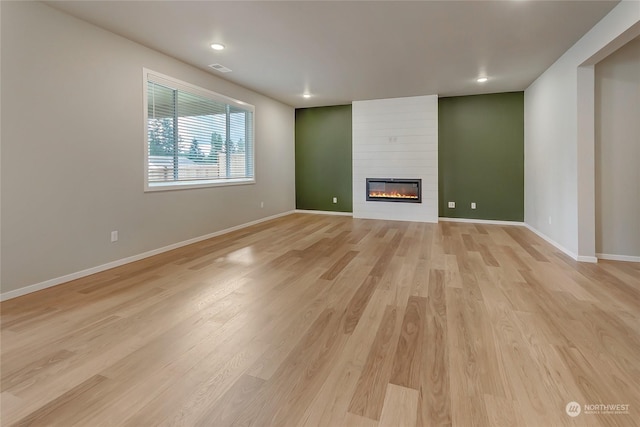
(394, 190)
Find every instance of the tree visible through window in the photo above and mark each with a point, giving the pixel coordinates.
(196, 137)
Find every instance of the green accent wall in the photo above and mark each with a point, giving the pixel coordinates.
(481, 156)
(323, 158)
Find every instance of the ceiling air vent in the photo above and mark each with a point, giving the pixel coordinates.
(220, 68)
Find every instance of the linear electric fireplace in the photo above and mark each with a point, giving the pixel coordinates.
(394, 190)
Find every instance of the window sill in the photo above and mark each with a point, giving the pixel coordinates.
(188, 185)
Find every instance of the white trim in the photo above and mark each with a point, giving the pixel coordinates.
(481, 221)
(177, 84)
(306, 211)
(174, 83)
(560, 247)
(626, 258)
(552, 242)
(185, 185)
(580, 258)
(93, 270)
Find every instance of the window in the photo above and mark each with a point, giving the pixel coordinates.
(195, 137)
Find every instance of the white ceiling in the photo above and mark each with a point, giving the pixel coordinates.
(346, 51)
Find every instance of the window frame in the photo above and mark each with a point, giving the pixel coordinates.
(177, 84)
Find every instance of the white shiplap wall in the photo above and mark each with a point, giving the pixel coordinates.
(396, 138)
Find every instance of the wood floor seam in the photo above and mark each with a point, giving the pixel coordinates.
(315, 320)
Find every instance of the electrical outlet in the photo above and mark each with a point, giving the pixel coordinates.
(114, 236)
(549, 219)
(335, 200)
(452, 205)
(473, 205)
(262, 204)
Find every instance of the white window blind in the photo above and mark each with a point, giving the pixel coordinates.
(195, 137)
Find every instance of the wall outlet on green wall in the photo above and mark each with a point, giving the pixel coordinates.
(324, 158)
(481, 156)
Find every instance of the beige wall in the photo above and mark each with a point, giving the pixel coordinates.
(559, 180)
(617, 105)
(72, 151)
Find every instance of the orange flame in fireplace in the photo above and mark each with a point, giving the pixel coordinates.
(394, 195)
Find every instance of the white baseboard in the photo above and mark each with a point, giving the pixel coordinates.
(626, 258)
(324, 212)
(551, 241)
(93, 270)
(481, 221)
(580, 258)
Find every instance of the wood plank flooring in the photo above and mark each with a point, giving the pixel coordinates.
(313, 320)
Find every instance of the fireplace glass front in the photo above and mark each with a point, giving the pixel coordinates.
(394, 190)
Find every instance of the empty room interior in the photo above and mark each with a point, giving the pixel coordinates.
(319, 213)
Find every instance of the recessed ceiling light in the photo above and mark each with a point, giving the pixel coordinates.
(482, 79)
(217, 46)
(306, 95)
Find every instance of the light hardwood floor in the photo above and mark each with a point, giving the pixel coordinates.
(314, 320)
